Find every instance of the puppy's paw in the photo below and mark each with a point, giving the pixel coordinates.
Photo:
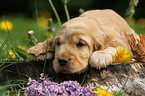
(102, 58)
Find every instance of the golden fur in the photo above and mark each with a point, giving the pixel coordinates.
(91, 38)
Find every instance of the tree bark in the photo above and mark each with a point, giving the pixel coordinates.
(127, 78)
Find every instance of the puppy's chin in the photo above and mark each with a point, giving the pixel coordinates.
(71, 67)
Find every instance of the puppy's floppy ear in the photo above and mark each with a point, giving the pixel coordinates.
(97, 39)
(97, 45)
(39, 50)
(51, 46)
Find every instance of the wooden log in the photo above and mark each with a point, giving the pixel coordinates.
(19, 69)
(127, 78)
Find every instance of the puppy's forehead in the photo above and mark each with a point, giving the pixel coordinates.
(75, 29)
(77, 24)
(73, 37)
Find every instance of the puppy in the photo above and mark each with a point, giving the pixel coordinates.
(90, 39)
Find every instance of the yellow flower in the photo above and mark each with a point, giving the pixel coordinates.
(12, 55)
(23, 48)
(49, 19)
(6, 25)
(141, 22)
(102, 92)
(42, 22)
(123, 55)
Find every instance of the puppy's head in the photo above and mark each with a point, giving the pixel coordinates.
(74, 44)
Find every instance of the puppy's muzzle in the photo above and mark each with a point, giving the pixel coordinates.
(62, 61)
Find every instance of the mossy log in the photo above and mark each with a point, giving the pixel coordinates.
(124, 77)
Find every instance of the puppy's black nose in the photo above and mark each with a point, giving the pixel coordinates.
(62, 61)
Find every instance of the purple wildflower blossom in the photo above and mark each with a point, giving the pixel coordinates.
(71, 87)
(48, 88)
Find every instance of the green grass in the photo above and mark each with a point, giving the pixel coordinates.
(9, 40)
(137, 28)
(13, 88)
(18, 36)
(21, 27)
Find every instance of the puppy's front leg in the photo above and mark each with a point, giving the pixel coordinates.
(102, 58)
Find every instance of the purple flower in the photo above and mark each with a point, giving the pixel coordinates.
(34, 88)
(48, 88)
(85, 91)
(42, 76)
(31, 81)
(71, 87)
(47, 83)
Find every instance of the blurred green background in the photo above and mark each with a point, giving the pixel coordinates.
(27, 7)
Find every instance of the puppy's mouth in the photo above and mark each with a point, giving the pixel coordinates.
(66, 71)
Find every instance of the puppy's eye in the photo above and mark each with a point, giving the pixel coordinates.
(81, 44)
(58, 43)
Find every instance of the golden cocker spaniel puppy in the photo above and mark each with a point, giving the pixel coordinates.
(90, 39)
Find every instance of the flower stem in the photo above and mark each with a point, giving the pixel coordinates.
(66, 10)
(55, 12)
(131, 9)
(45, 60)
(36, 11)
(131, 15)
